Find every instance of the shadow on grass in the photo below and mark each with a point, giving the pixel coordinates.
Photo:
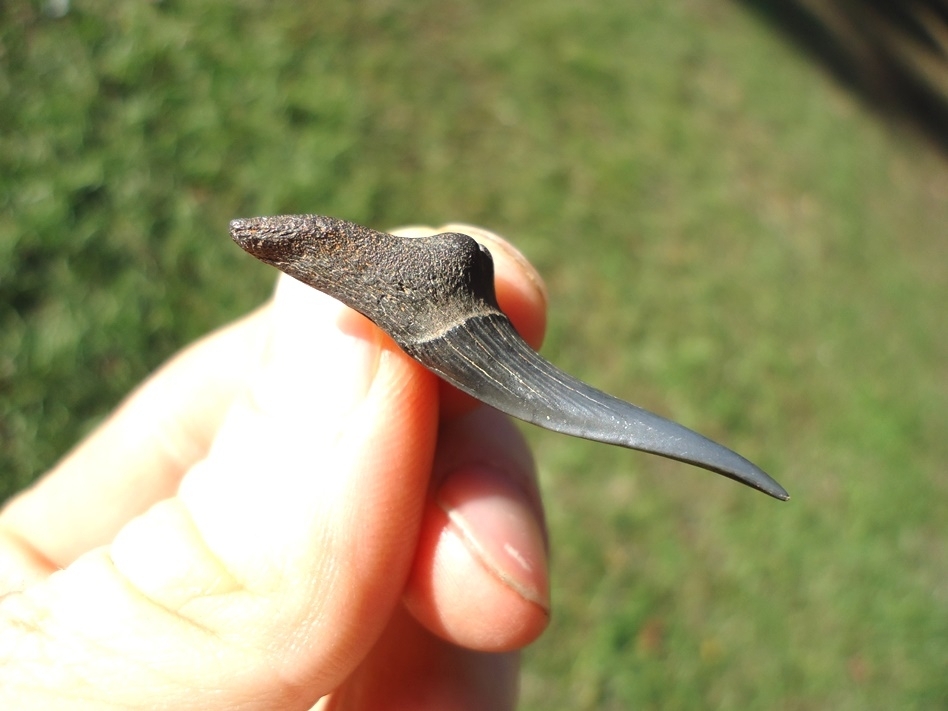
(893, 53)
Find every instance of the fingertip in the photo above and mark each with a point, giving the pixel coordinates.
(496, 523)
(475, 588)
(480, 577)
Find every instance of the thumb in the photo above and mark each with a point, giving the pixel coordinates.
(274, 569)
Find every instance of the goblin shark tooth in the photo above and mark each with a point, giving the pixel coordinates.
(435, 297)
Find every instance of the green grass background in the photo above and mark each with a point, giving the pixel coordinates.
(728, 237)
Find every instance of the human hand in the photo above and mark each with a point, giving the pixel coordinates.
(290, 511)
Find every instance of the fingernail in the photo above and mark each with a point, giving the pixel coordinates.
(497, 524)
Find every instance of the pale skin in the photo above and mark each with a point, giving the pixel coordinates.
(289, 514)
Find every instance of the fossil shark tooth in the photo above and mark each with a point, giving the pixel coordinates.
(435, 297)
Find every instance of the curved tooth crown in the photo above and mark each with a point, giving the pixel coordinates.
(435, 297)
(525, 385)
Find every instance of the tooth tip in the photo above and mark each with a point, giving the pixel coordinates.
(782, 495)
(763, 482)
(778, 494)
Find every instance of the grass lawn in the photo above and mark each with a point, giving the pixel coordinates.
(729, 239)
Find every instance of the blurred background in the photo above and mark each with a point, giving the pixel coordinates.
(740, 209)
